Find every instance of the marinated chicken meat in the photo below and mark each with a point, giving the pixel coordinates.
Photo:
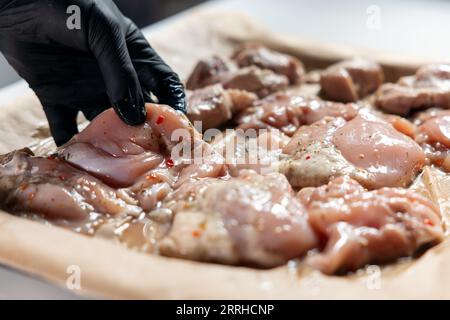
(119, 154)
(434, 136)
(148, 160)
(400, 124)
(359, 227)
(135, 168)
(251, 220)
(428, 88)
(264, 58)
(252, 79)
(58, 191)
(273, 173)
(423, 116)
(214, 106)
(351, 80)
(208, 71)
(251, 150)
(287, 112)
(366, 148)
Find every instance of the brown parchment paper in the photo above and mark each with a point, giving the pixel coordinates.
(111, 271)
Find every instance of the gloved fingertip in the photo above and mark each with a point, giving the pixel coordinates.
(178, 96)
(131, 112)
(181, 106)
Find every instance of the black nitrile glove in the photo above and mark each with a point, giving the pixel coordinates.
(84, 66)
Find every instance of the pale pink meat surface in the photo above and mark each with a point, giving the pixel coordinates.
(423, 116)
(252, 219)
(265, 58)
(207, 72)
(117, 171)
(375, 146)
(253, 150)
(359, 227)
(120, 154)
(149, 159)
(53, 189)
(139, 160)
(428, 88)
(366, 148)
(251, 79)
(351, 80)
(434, 137)
(438, 130)
(287, 112)
(213, 106)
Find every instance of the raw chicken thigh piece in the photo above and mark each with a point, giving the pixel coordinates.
(55, 190)
(287, 112)
(116, 171)
(208, 72)
(423, 116)
(264, 58)
(252, 150)
(119, 154)
(149, 160)
(437, 130)
(358, 227)
(399, 123)
(366, 148)
(312, 159)
(249, 220)
(434, 137)
(251, 79)
(428, 88)
(372, 144)
(351, 80)
(214, 106)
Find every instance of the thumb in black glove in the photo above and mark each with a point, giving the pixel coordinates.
(86, 67)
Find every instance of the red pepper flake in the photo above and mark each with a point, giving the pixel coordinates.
(196, 234)
(428, 222)
(62, 178)
(160, 119)
(169, 163)
(23, 186)
(308, 157)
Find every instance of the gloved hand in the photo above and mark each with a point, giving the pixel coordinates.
(105, 61)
